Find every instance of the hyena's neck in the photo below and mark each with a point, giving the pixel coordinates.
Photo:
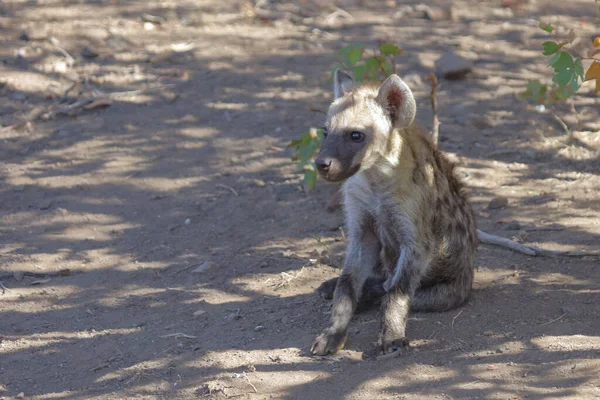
(393, 170)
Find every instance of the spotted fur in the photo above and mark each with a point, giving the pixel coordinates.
(411, 231)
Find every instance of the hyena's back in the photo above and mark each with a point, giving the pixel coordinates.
(448, 228)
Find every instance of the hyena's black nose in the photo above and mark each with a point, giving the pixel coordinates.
(323, 164)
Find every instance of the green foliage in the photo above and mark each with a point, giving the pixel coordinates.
(569, 72)
(352, 58)
(380, 65)
(305, 149)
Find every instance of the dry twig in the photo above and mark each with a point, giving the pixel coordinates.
(436, 122)
(232, 190)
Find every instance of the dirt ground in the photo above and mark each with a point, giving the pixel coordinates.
(188, 236)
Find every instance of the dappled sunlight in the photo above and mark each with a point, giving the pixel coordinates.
(568, 343)
(43, 340)
(190, 253)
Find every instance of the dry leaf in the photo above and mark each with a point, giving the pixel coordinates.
(594, 73)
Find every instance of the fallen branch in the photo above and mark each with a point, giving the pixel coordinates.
(435, 130)
(534, 251)
(179, 335)
(62, 272)
(232, 190)
(98, 99)
(497, 240)
(554, 320)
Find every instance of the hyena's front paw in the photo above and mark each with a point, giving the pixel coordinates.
(328, 342)
(387, 346)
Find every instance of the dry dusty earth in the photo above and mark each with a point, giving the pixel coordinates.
(187, 233)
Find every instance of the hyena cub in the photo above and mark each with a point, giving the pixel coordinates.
(411, 231)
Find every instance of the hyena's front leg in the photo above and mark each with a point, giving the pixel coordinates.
(361, 259)
(400, 287)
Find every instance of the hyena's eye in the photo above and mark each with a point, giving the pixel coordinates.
(357, 136)
(325, 132)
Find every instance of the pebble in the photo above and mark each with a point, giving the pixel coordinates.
(512, 226)
(259, 328)
(233, 317)
(89, 53)
(205, 266)
(453, 66)
(498, 202)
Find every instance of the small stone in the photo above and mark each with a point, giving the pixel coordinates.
(499, 351)
(21, 395)
(205, 266)
(24, 37)
(199, 313)
(453, 66)
(433, 13)
(169, 96)
(46, 205)
(512, 226)
(567, 310)
(488, 333)
(259, 328)
(259, 182)
(89, 53)
(187, 221)
(233, 317)
(154, 19)
(498, 202)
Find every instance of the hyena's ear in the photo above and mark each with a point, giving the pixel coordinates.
(342, 83)
(398, 101)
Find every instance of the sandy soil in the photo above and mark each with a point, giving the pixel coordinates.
(188, 236)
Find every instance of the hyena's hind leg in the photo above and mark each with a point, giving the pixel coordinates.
(443, 296)
(371, 295)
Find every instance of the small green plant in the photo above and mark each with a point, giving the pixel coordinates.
(380, 65)
(568, 70)
(353, 58)
(305, 150)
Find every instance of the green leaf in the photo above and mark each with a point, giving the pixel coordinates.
(536, 91)
(355, 55)
(310, 179)
(387, 67)
(344, 51)
(390, 49)
(547, 27)
(550, 48)
(562, 62)
(295, 143)
(372, 67)
(360, 72)
(564, 77)
(553, 59)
